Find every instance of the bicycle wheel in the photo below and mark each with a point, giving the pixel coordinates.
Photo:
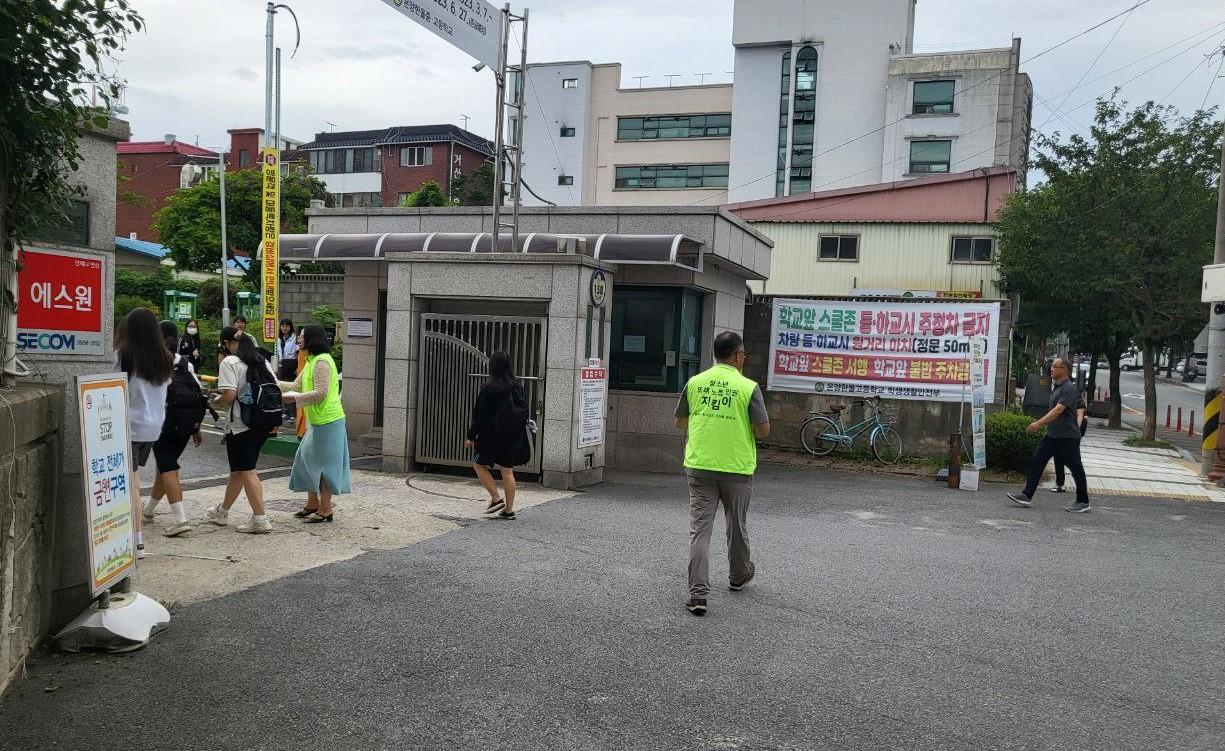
(815, 435)
(887, 445)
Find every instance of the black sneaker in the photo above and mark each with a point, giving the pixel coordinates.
(737, 585)
(494, 507)
(1079, 508)
(696, 605)
(1020, 499)
(1058, 489)
(507, 515)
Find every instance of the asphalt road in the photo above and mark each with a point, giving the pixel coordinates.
(888, 613)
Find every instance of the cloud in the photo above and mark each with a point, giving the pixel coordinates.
(370, 52)
(245, 73)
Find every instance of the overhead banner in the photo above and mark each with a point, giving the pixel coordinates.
(270, 201)
(473, 26)
(898, 350)
(59, 303)
(110, 484)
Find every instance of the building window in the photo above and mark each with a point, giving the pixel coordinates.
(567, 132)
(933, 97)
(339, 161)
(244, 158)
(565, 179)
(930, 157)
(973, 249)
(72, 230)
(784, 112)
(803, 119)
(360, 200)
(416, 156)
(657, 338)
(839, 248)
(671, 176)
(670, 127)
(569, 83)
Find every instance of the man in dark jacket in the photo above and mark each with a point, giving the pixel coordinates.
(1062, 439)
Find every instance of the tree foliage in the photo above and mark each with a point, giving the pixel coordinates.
(190, 222)
(474, 188)
(1109, 249)
(429, 194)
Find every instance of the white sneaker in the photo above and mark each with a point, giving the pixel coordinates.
(218, 515)
(147, 510)
(253, 527)
(176, 529)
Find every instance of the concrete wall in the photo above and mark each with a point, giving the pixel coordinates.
(30, 445)
(362, 284)
(546, 155)
(924, 426)
(301, 294)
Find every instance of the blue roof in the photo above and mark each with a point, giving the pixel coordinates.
(142, 247)
(239, 264)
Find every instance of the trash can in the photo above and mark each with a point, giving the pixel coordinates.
(178, 306)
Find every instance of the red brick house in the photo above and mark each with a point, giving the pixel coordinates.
(380, 167)
(149, 172)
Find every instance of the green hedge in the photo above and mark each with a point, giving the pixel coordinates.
(1009, 446)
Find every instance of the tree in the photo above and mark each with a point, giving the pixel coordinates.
(475, 188)
(429, 194)
(190, 222)
(1109, 249)
(50, 66)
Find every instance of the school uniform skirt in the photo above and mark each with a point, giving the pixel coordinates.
(323, 457)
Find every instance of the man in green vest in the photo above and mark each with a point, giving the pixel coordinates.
(723, 414)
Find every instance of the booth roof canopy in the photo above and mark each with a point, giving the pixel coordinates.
(669, 250)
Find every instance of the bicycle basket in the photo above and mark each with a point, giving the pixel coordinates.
(889, 415)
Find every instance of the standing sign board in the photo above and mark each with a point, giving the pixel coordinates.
(270, 202)
(978, 396)
(59, 303)
(593, 399)
(106, 453)
(473, 26)
(898, 350)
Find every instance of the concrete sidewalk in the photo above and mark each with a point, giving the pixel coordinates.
(1114, 468)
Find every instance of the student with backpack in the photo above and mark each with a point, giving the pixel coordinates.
(185, 408)
(247, 388)
(499, 434)
(321, 464)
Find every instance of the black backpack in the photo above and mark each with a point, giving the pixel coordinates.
(510, 420)
(266, 410)
(185, 403)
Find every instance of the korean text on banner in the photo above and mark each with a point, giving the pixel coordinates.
(270, 201)
(898, 350)
(473, 26)
(106, 453)
(59, 303)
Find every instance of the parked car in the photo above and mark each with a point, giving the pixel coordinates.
(1131, 361)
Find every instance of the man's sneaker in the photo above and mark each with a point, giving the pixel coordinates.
(178, 528)
(218, 515)
(696, 605)
(736, 585)
(505, 515)
(494, 507)
(1020, 499)
(1079, 508)
(1058, 489)
(253, 527)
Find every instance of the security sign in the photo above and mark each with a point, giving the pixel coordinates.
(59, 303)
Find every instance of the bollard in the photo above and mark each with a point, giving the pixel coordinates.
(1178, 428)
(1191, 425)
(954, 481)
(1168, 409)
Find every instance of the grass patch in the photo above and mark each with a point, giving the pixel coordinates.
(1143, 443)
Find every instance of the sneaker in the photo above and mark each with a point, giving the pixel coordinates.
(218, 515)
(507, 515)
(494, 507)
(253, 527)
(1079, 508)
(176, 529)
(737, 585)
(147, 510)
(140, 551)
(1058, 489)
(1020, 499)
(696, 605)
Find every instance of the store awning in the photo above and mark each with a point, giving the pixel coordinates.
(663, 250)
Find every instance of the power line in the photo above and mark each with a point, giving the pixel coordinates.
(1088, 70)
(1185, 78)
(1215, 76)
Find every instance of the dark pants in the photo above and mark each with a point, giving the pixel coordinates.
(1060, 475)
(1065, 451)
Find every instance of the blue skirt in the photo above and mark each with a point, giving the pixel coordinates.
(323, 457)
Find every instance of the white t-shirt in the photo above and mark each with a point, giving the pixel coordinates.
(146, 407)
(232, 376)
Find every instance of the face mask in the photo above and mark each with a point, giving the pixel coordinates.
(192, 329)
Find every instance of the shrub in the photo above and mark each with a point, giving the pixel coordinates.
(151, 286)
(125, 304)
(1009, 446)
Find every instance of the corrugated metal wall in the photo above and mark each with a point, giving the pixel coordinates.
(891, 255)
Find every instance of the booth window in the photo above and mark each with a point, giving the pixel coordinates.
(656, 338)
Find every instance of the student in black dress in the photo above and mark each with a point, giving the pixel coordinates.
(498, 432)
(189, 344)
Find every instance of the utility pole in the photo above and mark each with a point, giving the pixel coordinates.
(521, 110)
(268, 74)
(225, 256)
(1216, 338)
(499, 138)
(499, 135)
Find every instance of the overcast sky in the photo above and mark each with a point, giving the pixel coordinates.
(197, 69)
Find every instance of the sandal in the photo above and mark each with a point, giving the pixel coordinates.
(305, 512)
(315, 518)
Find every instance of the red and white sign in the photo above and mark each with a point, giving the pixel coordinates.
(593, 401)
(59, 303)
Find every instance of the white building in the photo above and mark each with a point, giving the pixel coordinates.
(826, 95)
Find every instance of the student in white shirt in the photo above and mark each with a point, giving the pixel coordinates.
(168, 449)
(286, 352)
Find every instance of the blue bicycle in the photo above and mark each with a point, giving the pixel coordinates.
(821, 434)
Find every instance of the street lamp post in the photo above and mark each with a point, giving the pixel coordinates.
(225, 257)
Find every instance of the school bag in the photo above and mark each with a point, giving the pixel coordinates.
(266, 409)
(185, 403)
(510, 419)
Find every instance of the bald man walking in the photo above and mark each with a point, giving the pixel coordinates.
(1062, 440)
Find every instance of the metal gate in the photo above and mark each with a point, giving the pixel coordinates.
(454, 363)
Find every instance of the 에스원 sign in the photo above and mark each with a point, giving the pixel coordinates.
(59, 303)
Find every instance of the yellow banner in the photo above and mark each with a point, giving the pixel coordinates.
(270, 162)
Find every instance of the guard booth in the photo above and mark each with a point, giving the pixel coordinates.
(178, 306)
(250, 308)
(424, 311)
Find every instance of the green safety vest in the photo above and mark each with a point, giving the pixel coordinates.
(329, 410)
(720, 435)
